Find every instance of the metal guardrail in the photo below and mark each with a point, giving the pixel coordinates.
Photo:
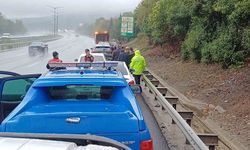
(26, 42)
(189, 133)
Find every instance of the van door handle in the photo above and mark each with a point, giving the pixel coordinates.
(73, 120)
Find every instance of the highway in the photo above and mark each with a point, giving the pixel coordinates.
(69, 48)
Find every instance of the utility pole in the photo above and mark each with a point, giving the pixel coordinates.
(56, 19)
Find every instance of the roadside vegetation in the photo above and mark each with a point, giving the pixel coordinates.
(208, 31)
(12, 27)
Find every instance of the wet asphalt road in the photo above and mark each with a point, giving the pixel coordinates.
(158, 139)
(69, 48)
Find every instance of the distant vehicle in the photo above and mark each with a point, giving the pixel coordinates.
(20, 141)
(75, 101)
(105, 48)
(6, 35)
(101, 37)
(97, 57)
(38, 48)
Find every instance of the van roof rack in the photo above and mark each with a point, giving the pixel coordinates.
(87, 65)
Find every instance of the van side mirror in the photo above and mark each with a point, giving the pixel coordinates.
(76, 60)
(136, 89)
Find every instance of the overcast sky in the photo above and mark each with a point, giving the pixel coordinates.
(38, 8)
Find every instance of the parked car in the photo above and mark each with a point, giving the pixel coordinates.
(74, 101)
(38, 48)
(105, 48)
(20, 141)
(97, 57)
(6, 35)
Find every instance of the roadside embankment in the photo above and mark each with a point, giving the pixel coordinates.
(224, 94)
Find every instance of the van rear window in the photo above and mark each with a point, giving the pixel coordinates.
(80, 92)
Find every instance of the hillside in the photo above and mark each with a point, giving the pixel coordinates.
(224, 93)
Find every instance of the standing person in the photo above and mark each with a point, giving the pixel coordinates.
(88, 57)
(116, 53)
(124, 56)
(131, 54)
(55, 59)
(138, 65)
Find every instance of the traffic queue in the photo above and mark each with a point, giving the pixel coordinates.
(134, 62)
(91, 96)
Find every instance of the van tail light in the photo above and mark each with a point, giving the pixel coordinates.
(132, 82)
(146, 145)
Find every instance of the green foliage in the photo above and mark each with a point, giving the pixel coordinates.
(211, 31)
(185, 54)
(169, 20)
(12, 27)
(246, 40)
(142, 12)
(193, 42)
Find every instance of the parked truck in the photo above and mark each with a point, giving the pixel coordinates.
(101, 37)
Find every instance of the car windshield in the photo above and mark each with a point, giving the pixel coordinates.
(80, 92)
(100, 47)
(36, 43)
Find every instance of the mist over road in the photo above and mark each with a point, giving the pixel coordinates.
(69, 48)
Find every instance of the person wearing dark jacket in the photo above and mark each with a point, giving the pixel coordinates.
(124, 56)
(115, 54)
(131, 54)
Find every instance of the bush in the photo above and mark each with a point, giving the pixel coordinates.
(207, 54)
(246, 40)
(231, 58)
(185, 54)
(193, 42)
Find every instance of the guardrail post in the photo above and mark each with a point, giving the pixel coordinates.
(212, 140)
(155, 82)
(172, 100)
(162, 90)
(150, 76)
(146, 72)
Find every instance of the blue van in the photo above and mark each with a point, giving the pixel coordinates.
(95, 102)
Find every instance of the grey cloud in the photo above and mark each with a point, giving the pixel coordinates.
(38, 8)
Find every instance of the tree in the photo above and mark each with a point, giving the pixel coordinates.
(8, 26)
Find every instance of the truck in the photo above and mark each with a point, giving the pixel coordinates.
(79, 100)
(101, 37)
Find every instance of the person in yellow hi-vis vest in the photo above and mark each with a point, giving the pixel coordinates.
(137, 65)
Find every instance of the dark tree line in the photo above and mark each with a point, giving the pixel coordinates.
(12, 27)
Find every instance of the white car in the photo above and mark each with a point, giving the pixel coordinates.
(122, 67)
(6, 35)
(97, 57)
(20, 141)
(105, 48)
(36, 144)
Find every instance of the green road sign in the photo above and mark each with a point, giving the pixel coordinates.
(127, 26)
